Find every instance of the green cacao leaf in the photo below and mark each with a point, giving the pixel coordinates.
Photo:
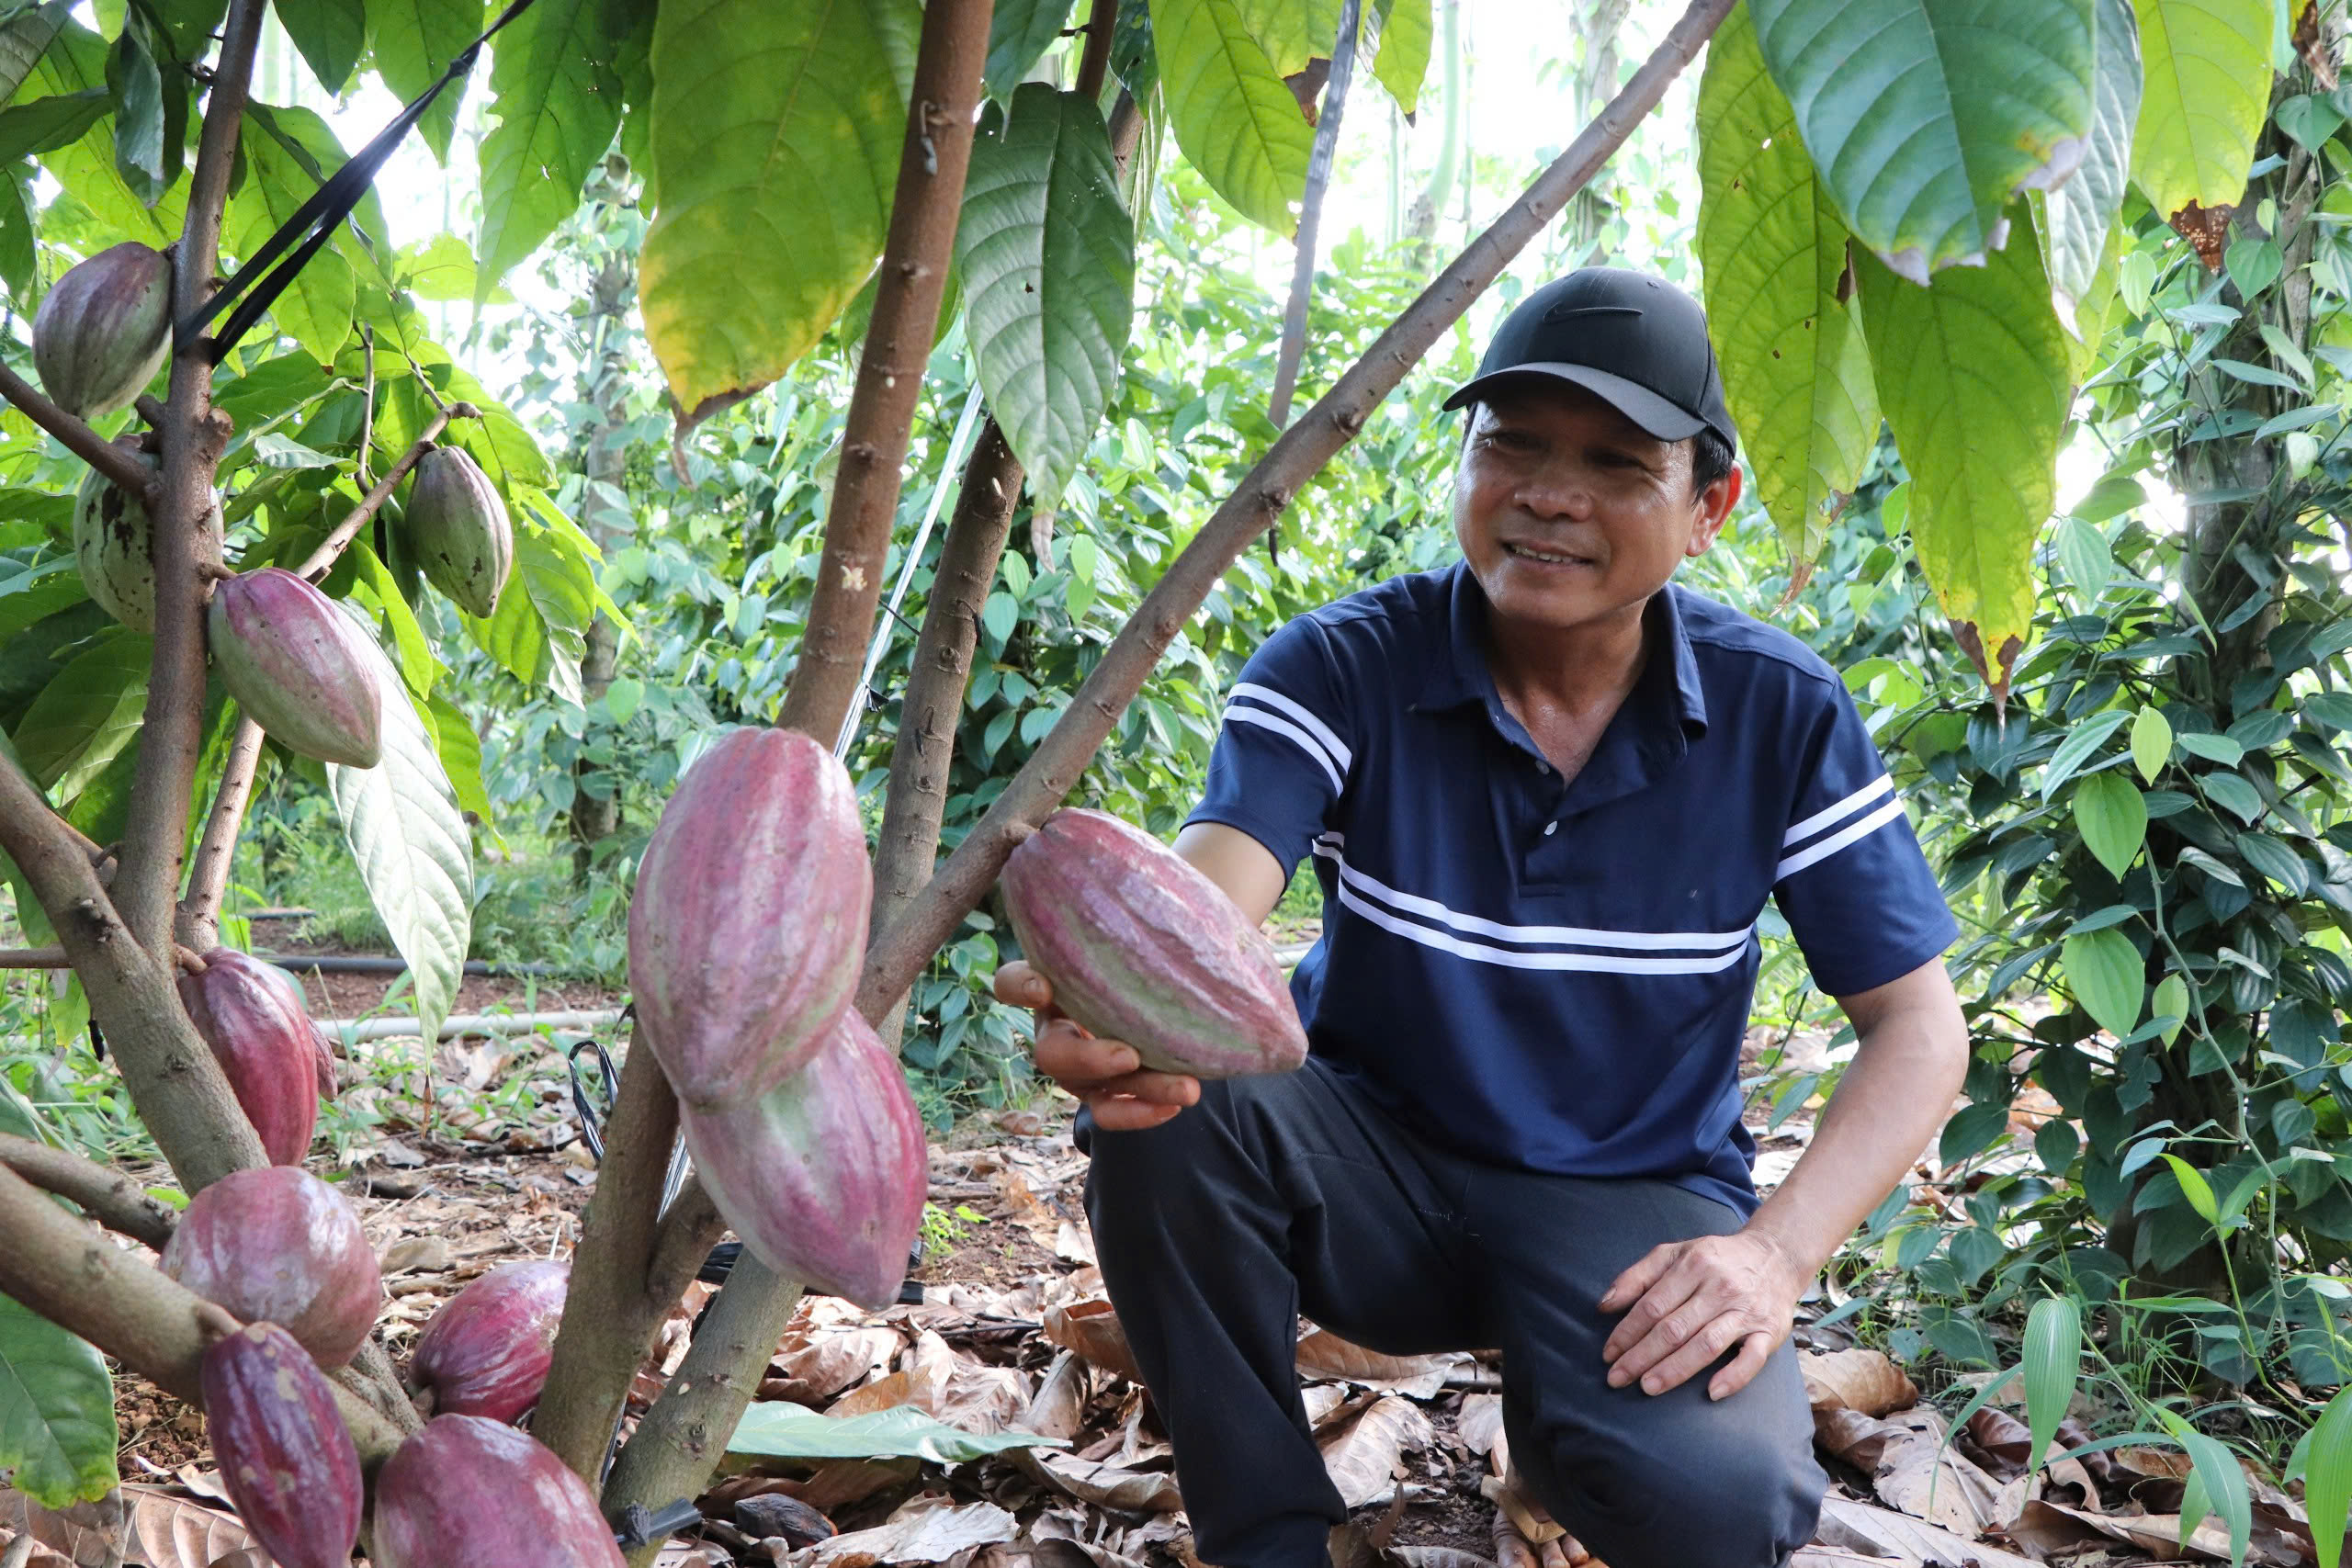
(2113, 818)
(23, 36)
(137, 83)
(84, 716)
(786, 141)
(1133, 58)
(1927, 116)
(56, 1411)
(317, 307)
(1973, 377)
(310, 146)
(415, 41)
(18, 261)
(2207, 74)
(331, 36)
(2103, 970)
(558, 101)
(1020, 31)
(1407, 37)
(1292, 32)
(1795, 370)
(460, 750)
(1234, 115)
(43, 125)
(402, 822)
(2080, 213)
(1047, 257)
(76, 63)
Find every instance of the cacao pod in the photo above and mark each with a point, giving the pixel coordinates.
(456, 529)
(823, 1177)
(486, 1352)
(279, 1245)
(1140, 946)
(264, 1042)
(111, 546)
(321, 1043)
(288, 1463)
(470, 1493)
(748, 925)
(295, 663)
(104, 330)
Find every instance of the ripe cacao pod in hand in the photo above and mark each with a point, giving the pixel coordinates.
(279, 1245)
(748, 925)
(470, 1493)
(264, 1041)
(288, 1462)
(294, 663)
(456, 529)
(1140, 946)
(823, 1177)
(104, 330)
(487, 1351)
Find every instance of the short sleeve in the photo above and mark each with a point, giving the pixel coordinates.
(1283, 745)
(1851, 880)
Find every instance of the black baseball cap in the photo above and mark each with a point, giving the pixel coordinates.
(1637, 342)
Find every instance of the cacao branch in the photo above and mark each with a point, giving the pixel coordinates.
(186, 538)
(893, 962)
(127, 471)
(913, 277)
(34, 958)
(613, 1309)
(109, 1196)
(175, 1085)
(68, 1271)
(315, 565)
(199, 921)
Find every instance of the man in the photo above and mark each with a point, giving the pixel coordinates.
(1548, 795)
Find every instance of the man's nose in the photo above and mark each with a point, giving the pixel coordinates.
(1560, 489)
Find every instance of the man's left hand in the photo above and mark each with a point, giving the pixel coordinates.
(1688, 1301)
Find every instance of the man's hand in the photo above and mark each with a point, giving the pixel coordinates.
(1688, 1301)
(1105, 1073)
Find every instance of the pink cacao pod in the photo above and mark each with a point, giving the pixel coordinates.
(279, 1245)
(1140, 946)
(470, 1493)
(487, 1351)
(288, 1463)
(748, 925)
(824, 1176)
(104, 330)
(321, 1043)
(295, 664)
(264, 1042)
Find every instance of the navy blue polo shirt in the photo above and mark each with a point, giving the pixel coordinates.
(1559, 976)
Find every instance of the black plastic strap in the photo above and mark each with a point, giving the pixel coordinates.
(316, 219)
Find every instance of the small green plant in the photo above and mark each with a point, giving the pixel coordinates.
(944, 1231)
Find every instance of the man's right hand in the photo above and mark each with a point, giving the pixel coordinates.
(1105, 1073)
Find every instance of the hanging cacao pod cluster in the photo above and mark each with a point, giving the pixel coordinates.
(104, 330)
(278, 1245)
(746, 935)
(251, 1015)
(487, 1351)
(468, 1492)
(297, 666)
(289, 1462)
(456, 527)
(1141, 946)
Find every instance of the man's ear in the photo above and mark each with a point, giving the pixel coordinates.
(1711, 510)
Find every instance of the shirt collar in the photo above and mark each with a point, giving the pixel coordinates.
(1457, 674)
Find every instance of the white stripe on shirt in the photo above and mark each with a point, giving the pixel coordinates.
(1600, 963)
(1829, 846)
(1566, 936)
(1284, 727)
(1846, 808)
(1321, 731)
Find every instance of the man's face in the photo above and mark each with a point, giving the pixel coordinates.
(1569, 513)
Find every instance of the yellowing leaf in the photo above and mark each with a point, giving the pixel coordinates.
(2208, 73)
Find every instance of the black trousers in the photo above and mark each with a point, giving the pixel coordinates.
(1291, 1193)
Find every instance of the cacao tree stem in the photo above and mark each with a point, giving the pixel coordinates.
(894, 960)
(315, 565)
(199, 921)
(68, 1271)
(109, 459)
(913, 277)
(187, 539)
(174, 1083)
(684, 1437)
(612, 1310)
(112, 1198)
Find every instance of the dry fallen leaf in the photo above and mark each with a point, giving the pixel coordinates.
(1939, 1486)
(1857, 1380)
(927, 1529)
(1058, 1407)
(1323, 1354)
(1362, 1456)
(1091, 1330)
(1105, 1485)
(1881, 1533)
(826, 1362)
